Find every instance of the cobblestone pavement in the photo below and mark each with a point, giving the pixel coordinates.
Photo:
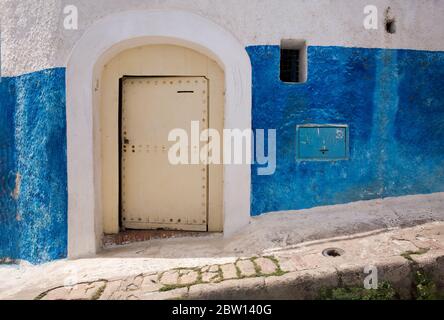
(304, 268)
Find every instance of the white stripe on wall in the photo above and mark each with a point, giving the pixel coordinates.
(33, 36)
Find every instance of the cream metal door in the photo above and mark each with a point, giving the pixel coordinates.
(154, 193)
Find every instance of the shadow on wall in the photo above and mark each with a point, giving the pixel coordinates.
(393, 101)
(33, 191)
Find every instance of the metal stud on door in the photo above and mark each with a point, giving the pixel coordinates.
(155, 193)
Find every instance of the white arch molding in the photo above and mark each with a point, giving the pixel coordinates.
(99, 44)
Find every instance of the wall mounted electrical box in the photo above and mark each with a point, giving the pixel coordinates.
(322, 142)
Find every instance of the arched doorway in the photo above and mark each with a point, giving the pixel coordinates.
(100, 43)
(146, 92)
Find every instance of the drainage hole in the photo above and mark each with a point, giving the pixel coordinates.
(333, 252)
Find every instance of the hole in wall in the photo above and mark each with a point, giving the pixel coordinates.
(332, 252)
(390, 26)
(390, 22)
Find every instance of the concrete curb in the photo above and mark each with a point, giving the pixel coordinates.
(396, 270)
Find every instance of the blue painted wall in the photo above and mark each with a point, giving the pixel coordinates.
(33, 221)
(393, 101)
(9, 226)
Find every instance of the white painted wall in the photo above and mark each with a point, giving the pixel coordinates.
(33, 36)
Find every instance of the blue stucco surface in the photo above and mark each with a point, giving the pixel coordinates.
(393, 101)
(33, 220)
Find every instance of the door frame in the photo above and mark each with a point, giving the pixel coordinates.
(99, 43)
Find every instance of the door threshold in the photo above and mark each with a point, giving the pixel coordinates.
(133, 236)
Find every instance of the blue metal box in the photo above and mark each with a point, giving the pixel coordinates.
(322, 142)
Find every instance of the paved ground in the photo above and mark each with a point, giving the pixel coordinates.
(296, 273)
(275, 246)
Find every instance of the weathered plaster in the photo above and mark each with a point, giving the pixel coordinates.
(392, 101)
(33, 195)
(33, 36)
